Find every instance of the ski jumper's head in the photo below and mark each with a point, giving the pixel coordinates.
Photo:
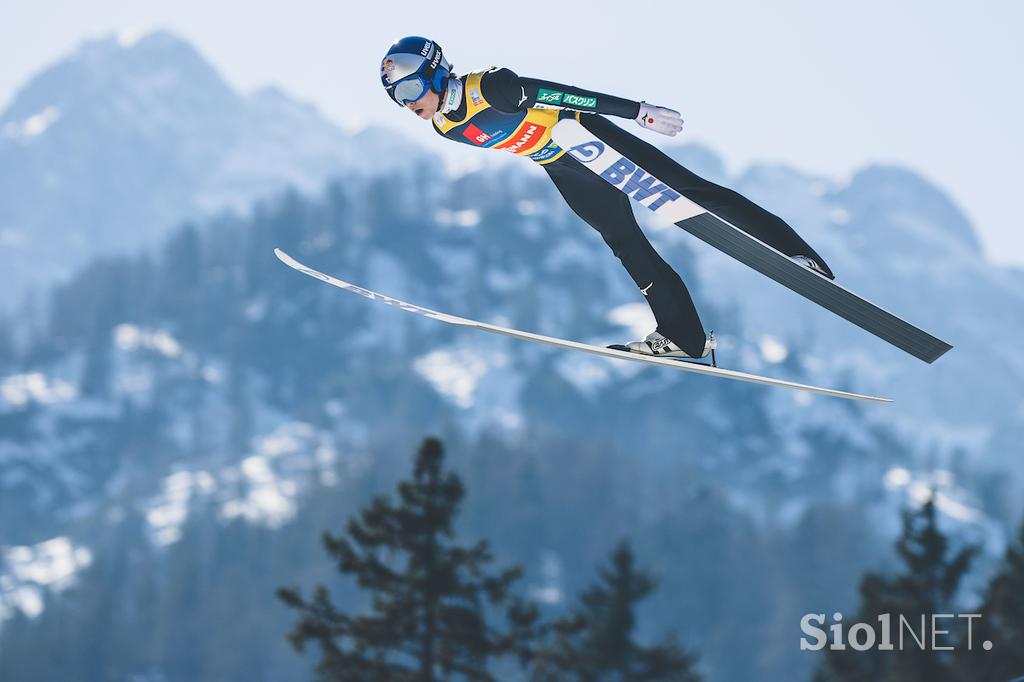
(415, 73)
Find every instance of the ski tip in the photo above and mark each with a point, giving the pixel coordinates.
(285, 258)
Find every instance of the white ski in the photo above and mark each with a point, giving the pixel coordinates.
(571, 345)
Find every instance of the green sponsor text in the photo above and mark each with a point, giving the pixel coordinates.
(549, 96)
(582, 102)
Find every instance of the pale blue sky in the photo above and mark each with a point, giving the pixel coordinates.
(825, 86)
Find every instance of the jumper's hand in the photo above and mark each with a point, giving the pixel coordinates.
(659, 119)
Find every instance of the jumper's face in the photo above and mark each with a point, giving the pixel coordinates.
(425, 107)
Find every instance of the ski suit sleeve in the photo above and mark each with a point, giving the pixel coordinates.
(509, 92)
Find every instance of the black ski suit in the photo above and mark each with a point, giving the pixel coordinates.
(607, 209)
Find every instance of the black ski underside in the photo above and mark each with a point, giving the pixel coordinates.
(752, 252)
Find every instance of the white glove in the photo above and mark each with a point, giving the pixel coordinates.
(659, 119)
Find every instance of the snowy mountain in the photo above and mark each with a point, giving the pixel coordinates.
(181, 424)
(107, 149)
(214, 386)
(901, 242)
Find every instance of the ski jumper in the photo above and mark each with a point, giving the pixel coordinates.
(501, 110)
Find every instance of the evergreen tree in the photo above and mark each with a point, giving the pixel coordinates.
(1001, 623)
(927, 586)
(96, 374)
(430, 596)
(8, 348)
(596, 642)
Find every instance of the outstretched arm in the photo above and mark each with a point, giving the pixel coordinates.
(509, 92)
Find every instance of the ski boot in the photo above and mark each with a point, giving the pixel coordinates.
(811, 264)
(661, 346)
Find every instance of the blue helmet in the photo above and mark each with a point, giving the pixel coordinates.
(411, 66)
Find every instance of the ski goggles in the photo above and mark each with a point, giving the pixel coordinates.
(410, 89)
(403, 77)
